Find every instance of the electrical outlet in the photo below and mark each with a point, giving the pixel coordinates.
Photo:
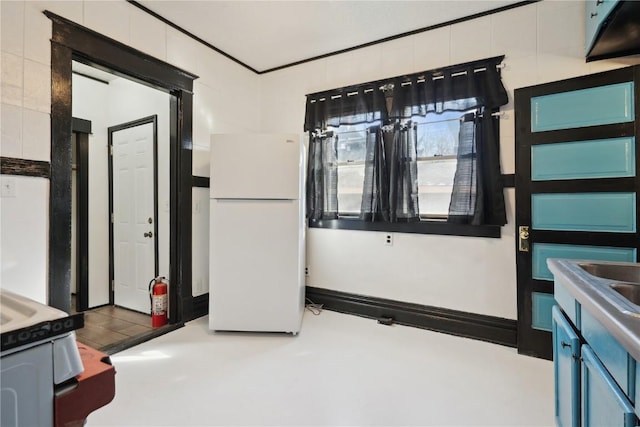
(388, 239)
(307, 271)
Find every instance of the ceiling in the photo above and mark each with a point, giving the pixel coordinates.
(270, 34)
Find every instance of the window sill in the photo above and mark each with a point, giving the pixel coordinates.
(422, 227)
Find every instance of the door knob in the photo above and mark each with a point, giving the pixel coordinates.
(149, 234)
(523, 238)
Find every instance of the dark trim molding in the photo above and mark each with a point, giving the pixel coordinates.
(492, 329)
(23, 167)
(96, 50)
(80, 125)
(201, 305)
(193, 36)
(82, 218)
(422, 227)
(337, 52)
(139, 339)
(200, 181)
(509, 180)
(90, 77)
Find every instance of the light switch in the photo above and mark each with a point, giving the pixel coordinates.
(8, 184)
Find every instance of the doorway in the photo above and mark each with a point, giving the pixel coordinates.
(72, 41)
(133, 201)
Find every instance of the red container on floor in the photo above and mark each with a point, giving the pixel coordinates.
(95, 388)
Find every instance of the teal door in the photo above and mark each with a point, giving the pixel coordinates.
(576, 186)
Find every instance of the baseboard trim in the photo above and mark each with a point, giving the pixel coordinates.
(481, 327)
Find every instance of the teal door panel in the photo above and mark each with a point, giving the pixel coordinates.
(585, 107)
(540, 252)
(541, 311)
(566, 366)
(608, 349)
(602, 158)
(607, 212)
(603, 403)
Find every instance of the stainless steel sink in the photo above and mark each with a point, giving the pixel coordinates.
(631, 291)
(613, 271)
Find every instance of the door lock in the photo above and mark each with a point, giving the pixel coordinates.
(523, 238)
(150, 220)
(149, 234)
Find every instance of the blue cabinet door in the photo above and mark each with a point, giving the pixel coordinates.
(603, 403)
(566, 366)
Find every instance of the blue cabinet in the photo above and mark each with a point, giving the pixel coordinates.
(566, 368)
(595, 378)
(603, 403)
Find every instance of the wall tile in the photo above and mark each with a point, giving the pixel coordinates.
(37, 45)
(148, 34)
(11, 131)
(562, 65)
(507, 153)
(183, 52)
(358, 66)
(519, 72)
(70, 9)
(397, 57)
(36, 135)
(110, 18)
(560, 26)
(471, 40)
(37, 86)
(432, 49)
(12, 27)
(12, 76)
(514, 32)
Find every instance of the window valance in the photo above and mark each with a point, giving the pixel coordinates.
(460, 87)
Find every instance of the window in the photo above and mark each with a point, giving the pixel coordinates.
(409, 153)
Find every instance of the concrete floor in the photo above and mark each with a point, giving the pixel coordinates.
(340, 370)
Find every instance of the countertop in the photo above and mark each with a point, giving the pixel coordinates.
(619, 316)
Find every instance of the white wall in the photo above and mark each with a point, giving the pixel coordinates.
(542, 42)
(226, 99)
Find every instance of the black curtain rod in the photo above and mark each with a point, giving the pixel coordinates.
(480, 63)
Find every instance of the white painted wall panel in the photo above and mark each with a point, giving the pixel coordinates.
(24, 234)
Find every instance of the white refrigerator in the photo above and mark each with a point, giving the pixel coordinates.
(257, 233)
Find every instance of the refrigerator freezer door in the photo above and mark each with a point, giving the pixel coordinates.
(255, 166)
(256, 277)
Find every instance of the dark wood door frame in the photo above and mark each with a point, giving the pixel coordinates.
(82, 128)
(71, 41)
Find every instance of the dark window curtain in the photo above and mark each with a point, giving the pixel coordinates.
(322, 177)
(403, 175)
(390, 190)
(478, 194)
(375, 191)
(462, 206)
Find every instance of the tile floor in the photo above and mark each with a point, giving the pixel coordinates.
(107, 326)
(340, 370)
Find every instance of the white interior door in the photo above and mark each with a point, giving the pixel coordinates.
(134, 239)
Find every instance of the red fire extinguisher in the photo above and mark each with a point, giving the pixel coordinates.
(158, 294)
